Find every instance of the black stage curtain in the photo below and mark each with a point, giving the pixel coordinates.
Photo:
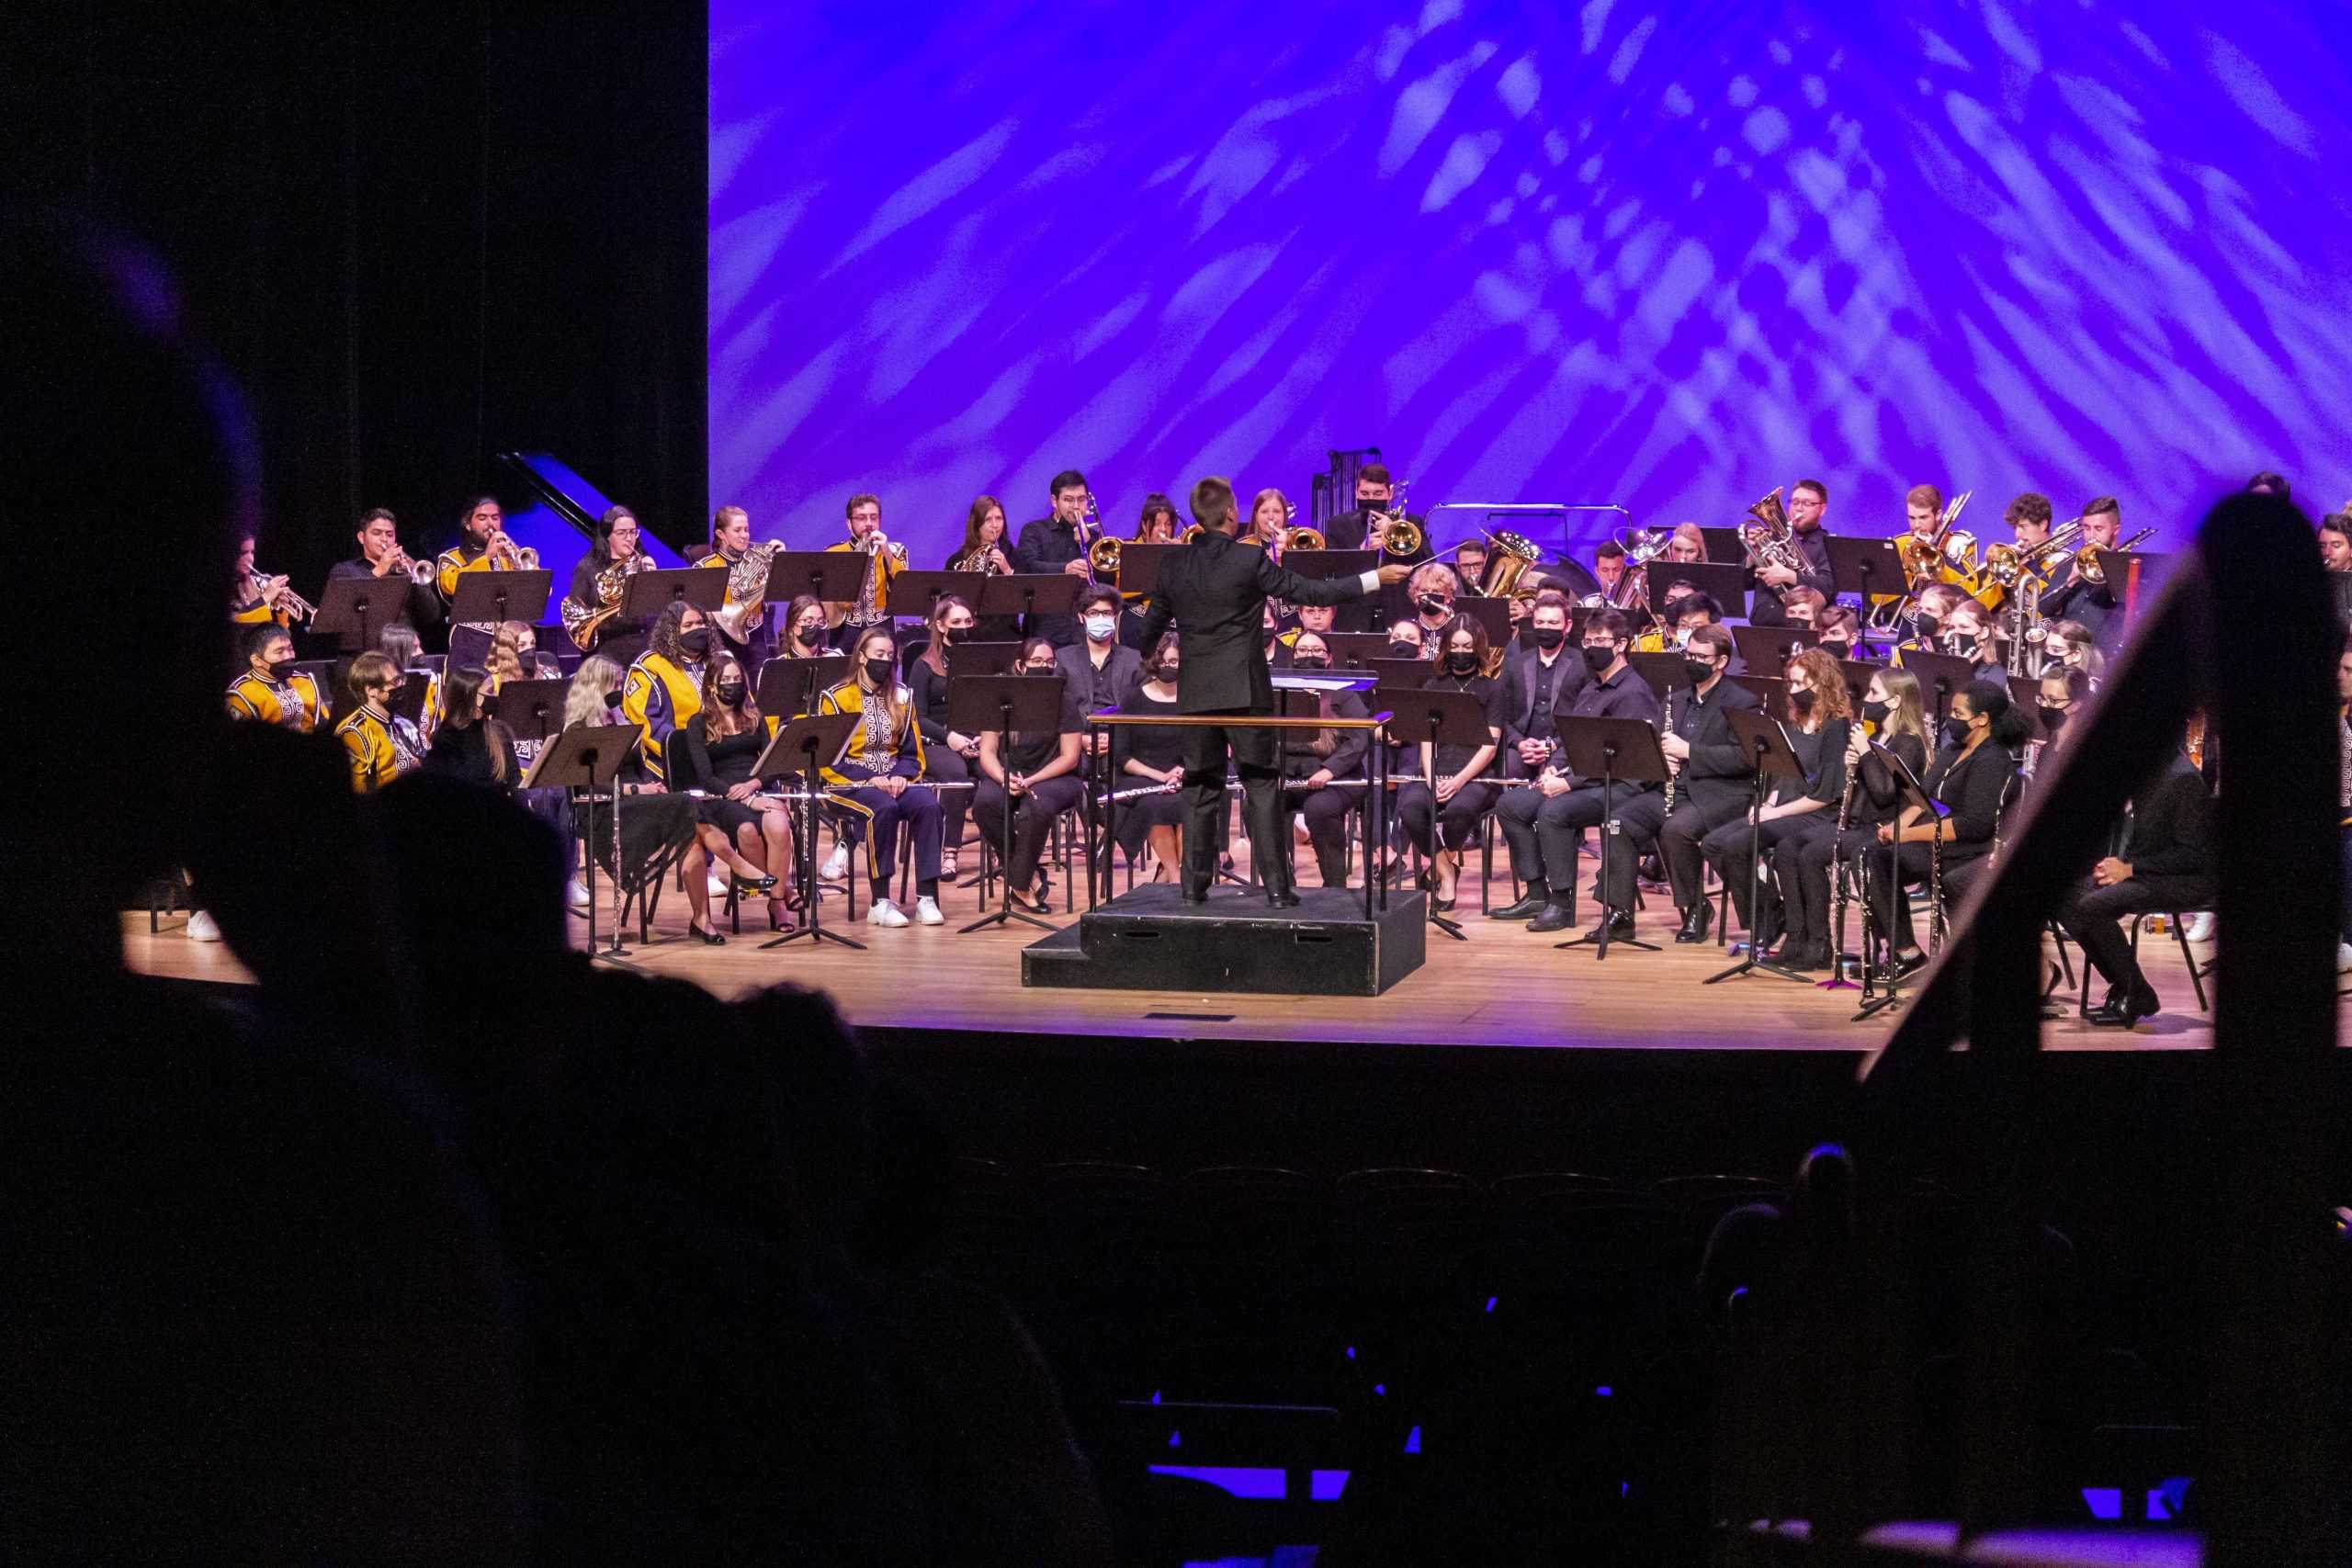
(413, 237)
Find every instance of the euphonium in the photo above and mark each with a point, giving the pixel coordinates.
(1509, 557)
(1767, 535)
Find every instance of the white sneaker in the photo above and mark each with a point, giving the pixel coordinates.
(201, 927)
(927, 913)
(576, 896)
(836, 864)
(718, 883)
(2200, 925)
(882, 912)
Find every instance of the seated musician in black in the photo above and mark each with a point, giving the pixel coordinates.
(1545, 682)
(1149, 755)
(2166, 863)
(1034, 773)
(1816, 725)
(1972, 780)
(715, 754)
(1544, 822)
(468, 744)
(1317, 762)
(1712, 777)
(947, 753)
(1450, 787)
(1892, 718)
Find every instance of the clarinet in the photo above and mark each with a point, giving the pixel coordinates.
(1838, 879)
(1665, 727)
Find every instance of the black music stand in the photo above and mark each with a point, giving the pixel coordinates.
(1615, 751)
(1761, 737)
(1401, 674)
(2025, 696)
(978, 703)
(704, 587)
(493, 596)
(1321, 565)
(982, 657)
(829, 577)
(1868, 569)
(802, 748)
(1441, 719)
(1771, 691)
(354, 610)
(1723, 544)
(2128, 574)
(1660, 671)
(532, 709)
(1356, 650)
(789, 687)
(1765, 650)
(1912, 792)
(1139, 566)
(910, 594)
(1857, 673)
(1031, 595)
(408, 699)
(1942, 677)
(588, 757)
(1727, 585)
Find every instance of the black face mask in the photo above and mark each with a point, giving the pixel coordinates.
(2052, 721)
(1927, 626)
(281, 670)
(878, 672)
(1549, 637)
(1876, 713)
(611, 702)
(696, 643)
(1598, 658)
(1311, 662)
(1434, 604)
(1836, 650)
(1404, 650)
(1462, 663)
(731, 693)
(808, 636)
(1801, 703)
(948, 635)
(1166, 673)
(1699, 672)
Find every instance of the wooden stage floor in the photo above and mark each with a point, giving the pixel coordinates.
(1501, 988)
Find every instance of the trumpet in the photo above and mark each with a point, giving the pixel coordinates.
(275, 593)
(2087, 565)
(502, 549)
(424, 574)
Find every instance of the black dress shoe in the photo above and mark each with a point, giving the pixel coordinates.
(1281, 898)
(1196, 893)
(1695, 921)
(1804, 956)
(2124, 1014)
(1617, 923)
(1527, 908)
(1901, 968)
(1553, 918)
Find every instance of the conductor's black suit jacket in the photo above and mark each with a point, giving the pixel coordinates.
(1215, 593)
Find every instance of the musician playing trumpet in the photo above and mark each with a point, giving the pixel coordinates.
(380, 556)
(254, 599)
(482, 545)
(886, 559)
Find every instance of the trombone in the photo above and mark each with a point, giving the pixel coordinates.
(1389, 531)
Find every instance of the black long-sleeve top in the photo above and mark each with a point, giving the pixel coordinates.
(1349, 745)
(1973, 785)
(1718, 768)
(1814, 571)
(1453, 756)
(1822, 753)
(1044, 546)
(930, 688)
(1879, 798)
(2172, 825)
(1153, 745)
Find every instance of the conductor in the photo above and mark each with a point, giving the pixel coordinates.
(1215, 593)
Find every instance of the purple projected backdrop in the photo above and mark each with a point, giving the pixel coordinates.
(1612, 254)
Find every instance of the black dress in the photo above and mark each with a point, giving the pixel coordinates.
(720, 762)
(1155, 746)
(463, 752)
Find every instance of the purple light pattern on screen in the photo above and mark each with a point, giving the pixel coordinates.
(1607, 253)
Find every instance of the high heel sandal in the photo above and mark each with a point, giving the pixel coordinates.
(753, 885)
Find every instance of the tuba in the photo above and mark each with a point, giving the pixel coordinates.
(1509, 557)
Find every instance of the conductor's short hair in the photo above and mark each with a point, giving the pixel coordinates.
(1212, 500)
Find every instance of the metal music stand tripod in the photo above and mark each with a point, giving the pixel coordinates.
(1913, 794)
(588, 757)
(1760, 737)
(1441, 719)
(801, 748)
(1615, 751)
(978, 703)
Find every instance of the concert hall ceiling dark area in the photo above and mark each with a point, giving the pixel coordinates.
(415, 236)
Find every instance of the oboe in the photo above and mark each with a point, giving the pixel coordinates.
(1838, 879)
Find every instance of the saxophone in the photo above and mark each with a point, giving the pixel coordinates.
(585, 624)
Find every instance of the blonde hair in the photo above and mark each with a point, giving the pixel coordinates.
(1431, 571)
(583, 701)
